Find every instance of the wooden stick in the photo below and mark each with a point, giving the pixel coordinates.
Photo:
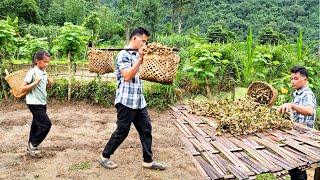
(6, 71)
(196, 163)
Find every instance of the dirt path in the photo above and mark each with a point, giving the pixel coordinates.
(78, 134)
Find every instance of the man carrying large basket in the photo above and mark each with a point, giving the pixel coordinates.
(130, 102)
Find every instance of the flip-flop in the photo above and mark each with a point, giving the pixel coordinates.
(156, 166)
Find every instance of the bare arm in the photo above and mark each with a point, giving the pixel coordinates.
(129, 73)
(26, 86)
(304, 110)
(49, 84)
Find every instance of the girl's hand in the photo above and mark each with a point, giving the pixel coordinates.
(50, 81)
(37, 79)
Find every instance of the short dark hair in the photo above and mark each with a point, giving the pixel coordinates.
(139, 30)
(39, 55)
(300, 69)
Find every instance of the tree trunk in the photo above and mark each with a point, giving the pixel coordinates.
(69, 76)
(127, 32)
(173, 16)
(179, 24)
(208, 89)
(3, 85)
(94, 39)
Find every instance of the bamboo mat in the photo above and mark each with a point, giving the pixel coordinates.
(243, 157)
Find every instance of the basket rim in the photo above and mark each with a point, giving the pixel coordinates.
(273, 90)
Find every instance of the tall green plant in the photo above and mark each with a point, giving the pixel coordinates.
(32, 45)
(70, 41)
(7, 38)
(248, 63)
(302, 53)
(92, 22)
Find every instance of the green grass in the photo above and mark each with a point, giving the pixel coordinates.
(266, 176)
(81, 166)
(240, 92)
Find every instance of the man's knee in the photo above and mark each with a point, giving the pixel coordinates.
(122, 132)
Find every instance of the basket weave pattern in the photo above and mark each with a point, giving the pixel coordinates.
(100, 61)
(15, 81)
(161, 69)
(262, 93)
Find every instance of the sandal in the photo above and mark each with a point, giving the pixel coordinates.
(107, 163)
(33, 151)
(156, 166)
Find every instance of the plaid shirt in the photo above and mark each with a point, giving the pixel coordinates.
(305, 97)
(129, 93)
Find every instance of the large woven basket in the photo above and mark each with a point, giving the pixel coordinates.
(160, 69)
(15, 81)
(262, 92)
(101, 61)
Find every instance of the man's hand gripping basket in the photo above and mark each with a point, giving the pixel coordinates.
(160, 64)
(101, 61)
(262, 93)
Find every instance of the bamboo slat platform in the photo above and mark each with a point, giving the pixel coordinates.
(243, 157)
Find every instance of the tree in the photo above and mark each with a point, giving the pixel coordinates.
(92, 22)
(56, 13)
(7, 38)
(111, 27)
(70, 41)
(177, 10)
(32, 45)
(43, 11)
(220, 34)
(129, 11)
(26, 10)
(74, 11)
(270, 36)
(150, 11)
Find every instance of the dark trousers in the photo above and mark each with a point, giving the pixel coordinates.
(141, 120)
(297, 174)
(41, 124)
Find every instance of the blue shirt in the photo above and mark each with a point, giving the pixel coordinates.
(38, 94)
(305, 97)
(129, 93)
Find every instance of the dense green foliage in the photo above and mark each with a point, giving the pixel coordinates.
(27, 10)
(223, 44)
(175, 16)
(103, 92)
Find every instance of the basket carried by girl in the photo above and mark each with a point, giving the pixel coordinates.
(15, 81)
(160, 64)
(262, 93)
(101, 61)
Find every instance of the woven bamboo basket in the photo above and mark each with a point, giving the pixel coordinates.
(101, 61)
(160, 69)
(262, 92)
(15, 81)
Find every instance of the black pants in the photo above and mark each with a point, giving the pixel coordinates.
(141, 120)
(297, 174)
(41, 124)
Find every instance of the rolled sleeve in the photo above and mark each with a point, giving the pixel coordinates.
(29, 76)
(309, 100)
(123, 61)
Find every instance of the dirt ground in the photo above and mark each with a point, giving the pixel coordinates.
(77, 137)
